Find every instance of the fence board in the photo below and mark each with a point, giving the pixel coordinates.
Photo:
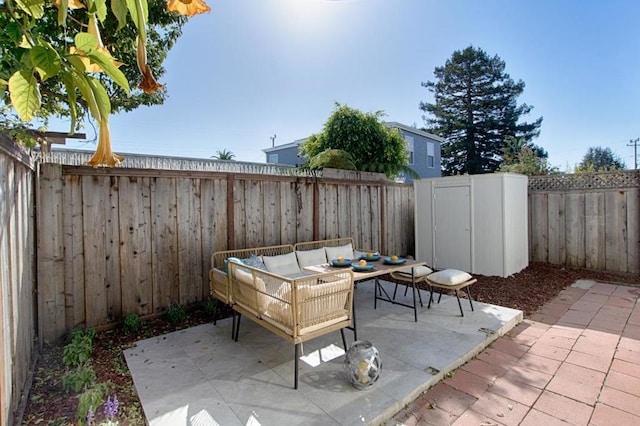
(50, 255)
(343, 216)
(288, 210)
(213, 209)
(575, 229)
(164, 244)
(272, 216)
(74, 251)
(539, 227)
(113, 278)
(254, 212)
(633, 231)
(189, 246)
(95, 196)
(615, 231)
(135, 242)
(594, 231)
(556, 225)
(304, 211)
(239, 215)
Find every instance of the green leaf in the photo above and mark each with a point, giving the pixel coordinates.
(119, 9)
(101, 96)
(46, 61)
(108, 66)
(34, 8)
(80, 80)
(62, 13)
(100, 9)
(12, 30)
(67, 80)
(25, 95)
(86, 42)
(139, 10)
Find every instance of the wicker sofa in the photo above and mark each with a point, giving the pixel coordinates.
(264, 285)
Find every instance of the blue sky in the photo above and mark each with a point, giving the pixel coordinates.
(254, 68)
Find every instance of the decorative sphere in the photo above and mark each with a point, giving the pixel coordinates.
(363, 364)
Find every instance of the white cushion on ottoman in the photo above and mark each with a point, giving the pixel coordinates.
(418, 271)
(449, 277)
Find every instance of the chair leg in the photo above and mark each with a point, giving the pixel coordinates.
(430, 297)
(233, 325)
(469, 294)
(295, 362)
(459, 304)
(440, 294)
(344, 340)
(238, 326)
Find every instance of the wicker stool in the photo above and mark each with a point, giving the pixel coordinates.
(410, 276)
(450, 279)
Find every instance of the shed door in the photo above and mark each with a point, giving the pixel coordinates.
(452, 228)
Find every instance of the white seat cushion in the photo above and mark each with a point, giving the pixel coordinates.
(284, 264)
(418, 271)
(345, 251)
(449, 277)
(311, 257)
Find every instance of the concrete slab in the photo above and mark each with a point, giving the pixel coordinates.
(199, 376)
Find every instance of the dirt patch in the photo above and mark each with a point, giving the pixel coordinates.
(49, 404)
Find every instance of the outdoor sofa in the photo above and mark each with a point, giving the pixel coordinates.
(270, 286)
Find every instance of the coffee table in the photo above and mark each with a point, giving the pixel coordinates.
(379, 268)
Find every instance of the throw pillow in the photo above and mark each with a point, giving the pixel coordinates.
(255, 261)
(345, 251)
(311, 257)
(284, 264)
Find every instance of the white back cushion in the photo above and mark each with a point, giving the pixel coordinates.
(284, 264)
(345, 251)
(311, 257)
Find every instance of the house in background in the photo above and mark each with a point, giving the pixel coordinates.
(423, 151)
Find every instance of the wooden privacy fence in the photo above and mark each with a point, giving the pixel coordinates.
(17, 275)
(119, 241)
(586, 220)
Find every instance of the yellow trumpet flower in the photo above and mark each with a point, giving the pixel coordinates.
(149, 83)
(188, 7)
(104, 155)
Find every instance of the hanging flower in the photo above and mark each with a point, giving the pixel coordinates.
(149, 83)
(104, 155)
(92, 28)
(188, 7)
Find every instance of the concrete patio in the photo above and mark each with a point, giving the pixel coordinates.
(199, 376)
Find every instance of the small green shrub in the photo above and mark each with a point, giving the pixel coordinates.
(79, 350)
(78, 379)
(176, 313)
(131, 323)
(211, 306)
(90, 399)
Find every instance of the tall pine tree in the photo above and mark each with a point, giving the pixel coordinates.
(476, 111)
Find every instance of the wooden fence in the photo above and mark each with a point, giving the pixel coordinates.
(17, 275)
(119, 241)
(586, 220)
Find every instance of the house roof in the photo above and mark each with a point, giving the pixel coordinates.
(284, 146)
(395, 124)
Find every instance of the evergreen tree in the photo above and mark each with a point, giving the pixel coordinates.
(598, 159)
(476, 110)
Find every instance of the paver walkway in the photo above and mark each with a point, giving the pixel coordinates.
(575, 361)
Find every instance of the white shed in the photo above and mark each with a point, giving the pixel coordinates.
(473, 223)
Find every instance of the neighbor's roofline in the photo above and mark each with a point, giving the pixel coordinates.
(285, 146)
(414, 130)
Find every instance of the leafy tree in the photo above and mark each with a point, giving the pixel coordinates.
(599, 159)
(54, 60)
(224, 155)
(353, 138)
(527, 162)
(475, 110)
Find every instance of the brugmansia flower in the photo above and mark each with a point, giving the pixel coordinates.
(92, 29)
(104, 154)
(188, 7)
(149, 83)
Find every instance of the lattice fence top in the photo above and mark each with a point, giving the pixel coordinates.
(586, 181)
(138, 161)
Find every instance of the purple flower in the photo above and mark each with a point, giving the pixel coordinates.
(111, 407)
(90, 416)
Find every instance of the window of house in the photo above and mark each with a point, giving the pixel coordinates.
(273, 158)
(430, 155)
(409, 140)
